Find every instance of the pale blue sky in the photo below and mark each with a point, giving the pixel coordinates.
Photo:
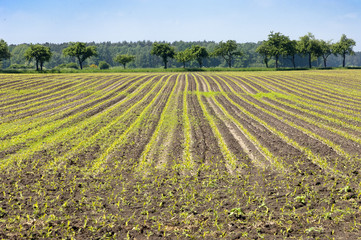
(39, 21)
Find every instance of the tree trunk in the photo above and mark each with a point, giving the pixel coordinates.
(200, 63)
(293, 62)
(324, 62)
(165, 62)
(276, 61)
(309, 60)
(184, 64)
(37, 65)
(41, 66)
(344, 60)
(229, 63)
(124, 65)
(80, 63)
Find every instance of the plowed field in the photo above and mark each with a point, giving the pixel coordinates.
(273, 155)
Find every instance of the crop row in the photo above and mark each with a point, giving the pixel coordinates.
(180, 155)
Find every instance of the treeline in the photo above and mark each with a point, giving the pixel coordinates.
(251, 55)
(278, 45)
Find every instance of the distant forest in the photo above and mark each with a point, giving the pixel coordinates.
(143, 59)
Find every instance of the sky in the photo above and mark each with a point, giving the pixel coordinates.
(58, 21)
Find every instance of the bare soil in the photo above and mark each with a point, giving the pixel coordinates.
(47, 195)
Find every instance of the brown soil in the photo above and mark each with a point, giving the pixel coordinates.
(212, 201)
(204, 144)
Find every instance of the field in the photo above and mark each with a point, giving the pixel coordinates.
(251, 155)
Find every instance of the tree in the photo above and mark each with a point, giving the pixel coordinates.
(277, 45)
(264, 50)
(184, 56)
(228, 51)
(80, 51)
(325, 50)
(344, 47)
(163, 50)
(291, 50)
(39, 53)
(124, 59)
(103, 65)
(308, 45)
(4, 51)
(199, 53)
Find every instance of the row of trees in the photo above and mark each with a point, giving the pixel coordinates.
(227, 50)
(277, 50)
(279, 45)
(41, 54)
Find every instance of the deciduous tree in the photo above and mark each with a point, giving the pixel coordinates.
(39, 53)
(4, 51)
(264, 50)
(325, 50)
(228, 51)
(80, 51)
(184, 56)
(308, 45)
(344, 47)
(124, 59)
(291, 51)
(277, 45)
(163, 50)
(199, 53)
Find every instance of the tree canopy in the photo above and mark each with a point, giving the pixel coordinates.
(291, 51)
(199, 53)
(163, 50)
(228, 51)
(39, 53)
(107, 51)
(277, 44)
(4, 50)
(184, 56)
(124, 59)
(307, 45)
(264, 51)
(80, 51)
(325, 50)
(344, 47)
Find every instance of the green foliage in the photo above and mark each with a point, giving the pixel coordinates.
(291, 50)
(199, 53)
(39, 53)
(277, 45)
(184, 56)
(71, 65)
(228, 51)
(308, 45)
(17, 54)
(4, 50)
(19, 66)
(107, 51)
(301, 199)
(264, 50)
(325, 50)
(103, 65)
(344, 47)
(273, 95)
(80, 51)
(124, 59)
(68, 65)
(163, 50)
(237, 213)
